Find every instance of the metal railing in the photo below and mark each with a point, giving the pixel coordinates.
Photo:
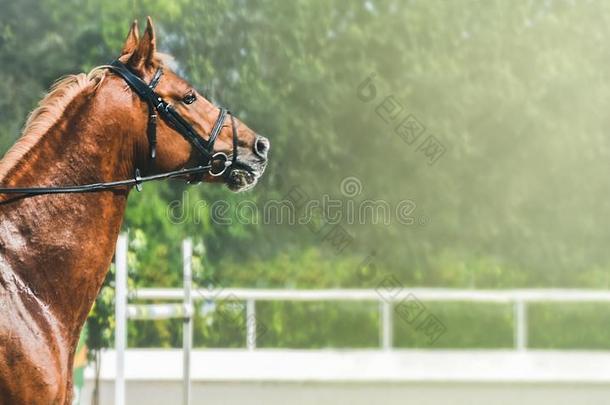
(519, 298)
(387, 302)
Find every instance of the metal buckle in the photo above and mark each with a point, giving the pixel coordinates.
(225, 165)
(138, 180)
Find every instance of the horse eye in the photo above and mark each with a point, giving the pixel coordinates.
(189, 98)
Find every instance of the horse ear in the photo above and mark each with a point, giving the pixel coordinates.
(145, 52)
(131, 42)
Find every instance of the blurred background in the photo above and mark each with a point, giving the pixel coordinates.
(469, 137)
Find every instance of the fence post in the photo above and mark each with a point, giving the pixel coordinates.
(187, 330)
(120, 332)
(387, 326)
(250, 324)
(520, 326)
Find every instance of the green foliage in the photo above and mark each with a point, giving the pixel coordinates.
(466, 325)
(517, 92)
(101, 321)
(586, 324)
(318, 325)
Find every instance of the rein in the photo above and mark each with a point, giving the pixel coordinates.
(93, 187)
(156, 107)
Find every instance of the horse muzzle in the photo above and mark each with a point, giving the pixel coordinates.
(249, 167)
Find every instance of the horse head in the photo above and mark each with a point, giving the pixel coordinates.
(231, 143)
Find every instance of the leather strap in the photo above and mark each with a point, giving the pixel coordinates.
(234, 129)
(152, 119)
(172, 117)
(137, 181)
(222, 115)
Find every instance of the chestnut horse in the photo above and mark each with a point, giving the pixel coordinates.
(55, 250)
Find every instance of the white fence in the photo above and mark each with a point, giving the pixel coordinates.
(386, 299)
(123, 311)
(519, 298)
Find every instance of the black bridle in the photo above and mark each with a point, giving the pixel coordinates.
(157, 107)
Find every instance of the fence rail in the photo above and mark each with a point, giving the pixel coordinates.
(423, 294)
(387, 299)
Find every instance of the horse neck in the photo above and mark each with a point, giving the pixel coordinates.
(60, 246)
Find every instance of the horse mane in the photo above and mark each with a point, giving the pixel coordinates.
(49, 110)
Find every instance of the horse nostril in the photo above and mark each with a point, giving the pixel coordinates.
(261, 146)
